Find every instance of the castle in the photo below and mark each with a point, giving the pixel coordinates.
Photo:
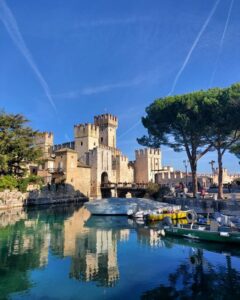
(93, 159)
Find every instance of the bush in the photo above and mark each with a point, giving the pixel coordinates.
(32, 179)
(8, 182)
(155, 191)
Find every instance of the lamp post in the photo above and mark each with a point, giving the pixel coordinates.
(212, 162)
(186, 170)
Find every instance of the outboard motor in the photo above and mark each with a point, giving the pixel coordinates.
(191, 216)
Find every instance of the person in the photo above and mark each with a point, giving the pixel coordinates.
(203, 193)
(229, 187)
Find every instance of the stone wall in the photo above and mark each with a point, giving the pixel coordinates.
(10, 199)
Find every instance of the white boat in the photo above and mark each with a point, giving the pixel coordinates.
(125, 206)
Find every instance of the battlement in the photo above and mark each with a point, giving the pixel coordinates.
(147, 152)
(122, 158)
(44, 138)
(68, 145)
(114, 150)
(106, 120)
(85, 130)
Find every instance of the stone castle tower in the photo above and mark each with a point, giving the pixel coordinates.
(148, 162)
(107, 129)
(44, 141)
(86, 138)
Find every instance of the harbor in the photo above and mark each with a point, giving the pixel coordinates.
(119, 150)
(107, 257)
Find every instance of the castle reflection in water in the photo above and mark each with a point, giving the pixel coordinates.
(28, 237)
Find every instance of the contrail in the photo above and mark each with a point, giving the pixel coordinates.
(193, 47)
(186, 59)
(221, 43)
(12, 28)
(129, 129)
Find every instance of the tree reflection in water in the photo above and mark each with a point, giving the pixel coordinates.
(25, 236)
(197, 278)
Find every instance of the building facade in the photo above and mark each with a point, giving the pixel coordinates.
(93, 159)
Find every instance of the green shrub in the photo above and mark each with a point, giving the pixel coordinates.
(155, 191)
(31, 179)
(8, 182)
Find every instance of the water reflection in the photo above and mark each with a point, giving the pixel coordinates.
(94, 247)
(93, 251)
(23, 247)
(197, 278)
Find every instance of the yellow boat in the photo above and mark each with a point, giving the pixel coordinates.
(176, 215)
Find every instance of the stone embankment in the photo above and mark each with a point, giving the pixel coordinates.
(10, 199)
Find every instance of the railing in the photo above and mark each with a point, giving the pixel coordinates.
(55, 170)
(124, 185)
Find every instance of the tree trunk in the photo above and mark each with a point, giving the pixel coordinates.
(220, 175)
(193, 165)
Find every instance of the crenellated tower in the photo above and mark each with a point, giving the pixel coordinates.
(86, 138)
(148, 163)
(44, 141)
(107, 129)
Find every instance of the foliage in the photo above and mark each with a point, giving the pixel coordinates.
(10, 182)
(197, 123)
(223, 131)
(17, 147)
(32, 179)
(156, 191)
(235, 149)
(177, 122)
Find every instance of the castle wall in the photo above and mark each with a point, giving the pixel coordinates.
(77, 177)
(124, 172)
(86, 138)
(147, 164)
(100, 160)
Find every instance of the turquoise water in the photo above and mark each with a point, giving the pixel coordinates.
(63, 253)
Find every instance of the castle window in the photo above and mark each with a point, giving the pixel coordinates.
(81, 143)
(101, 139)
(72, 180)
(94, 144)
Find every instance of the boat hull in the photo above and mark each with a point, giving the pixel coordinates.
(204, 235)
(125, 206)
(173, 216)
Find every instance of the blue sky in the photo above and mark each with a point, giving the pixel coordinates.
(62, 61)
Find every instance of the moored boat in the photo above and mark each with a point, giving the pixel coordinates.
(126, 206)
(204, 233)
(173, 215)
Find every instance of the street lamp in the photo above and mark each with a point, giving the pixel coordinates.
(186, 170)
(212, 162)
